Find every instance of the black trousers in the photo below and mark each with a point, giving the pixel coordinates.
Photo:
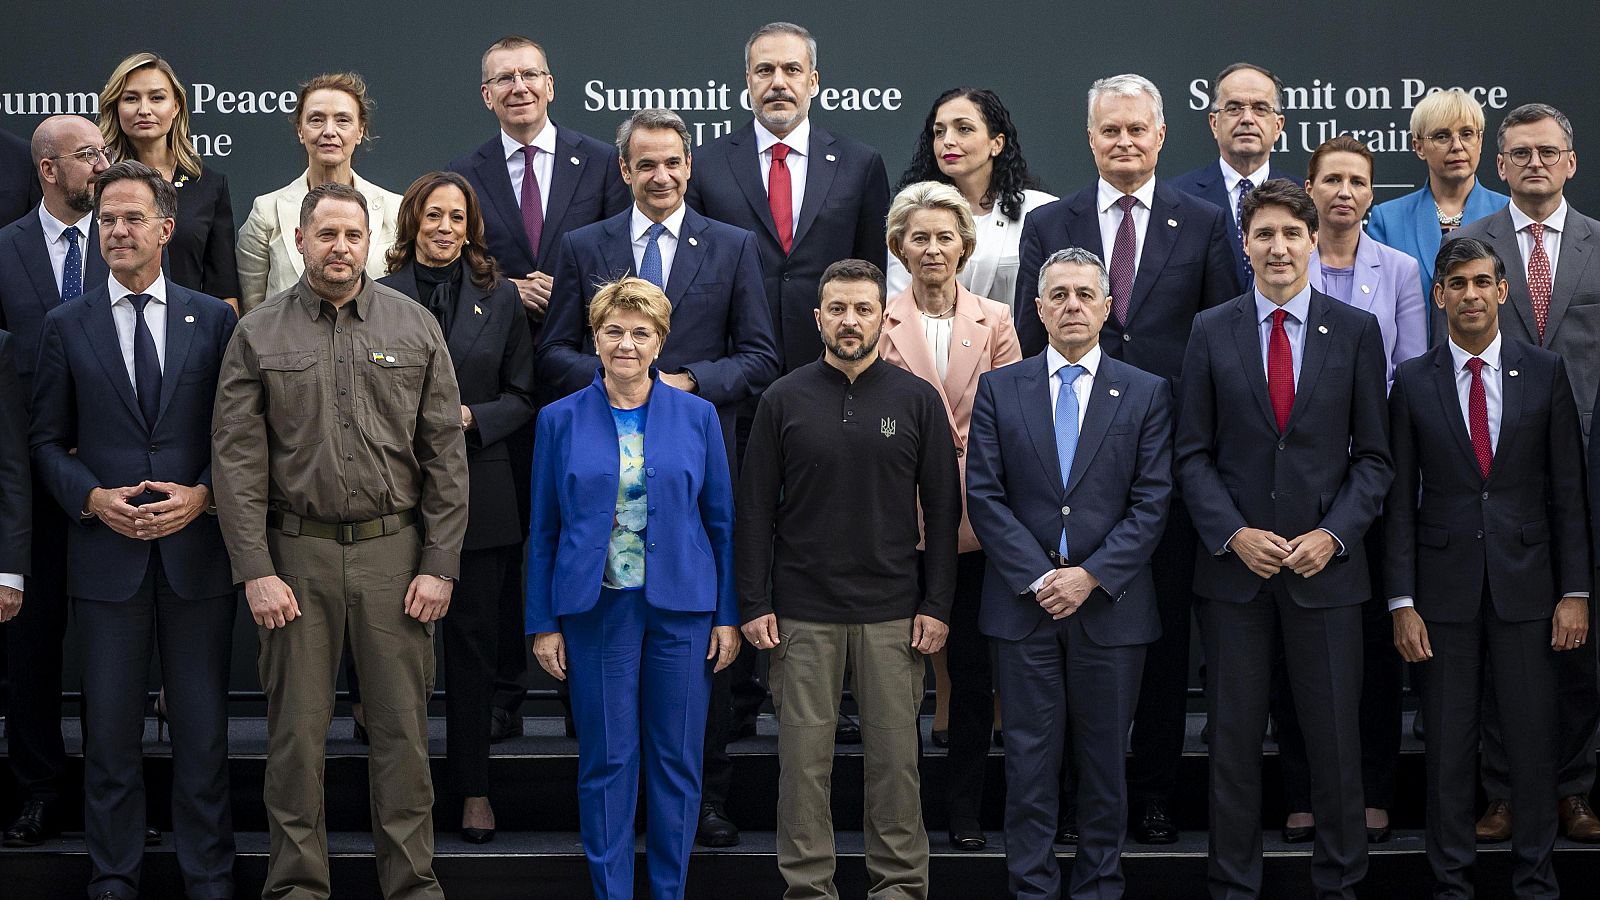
(971, 696)
(511, 645)
(471, 634)
(33, 659)
(1156, 746)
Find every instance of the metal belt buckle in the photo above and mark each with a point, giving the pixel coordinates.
(345, 533)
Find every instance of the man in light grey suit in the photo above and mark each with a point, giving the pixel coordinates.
(1550, 251)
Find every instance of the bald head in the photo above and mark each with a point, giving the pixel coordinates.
(63, 134)
(68, 179)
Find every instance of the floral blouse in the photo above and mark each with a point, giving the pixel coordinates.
(625, 553)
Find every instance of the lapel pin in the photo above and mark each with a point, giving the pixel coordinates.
(831, 157)
(387, 358)
(477, 310)
(966, 342)
(1114, 392)
(1173, 222)
(1512, 373)
(189, 319)
(576, 161)
(1322, 329)
(1366, 289)
(693, 242)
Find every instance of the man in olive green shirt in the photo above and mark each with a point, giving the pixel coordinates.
(340, 474)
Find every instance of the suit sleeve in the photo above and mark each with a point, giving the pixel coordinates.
(1564, 465)
(253, 254)
(1007, 543)
(221, 267)
(16, 487)
(1222, 272)
(441, 453)
(55, 433)
(1030, 256)
(227, 322)
(756, 513)
(544, 527)
(1216, 516)
(1410, 314)
(1131, 543)
(1400, 507)
(1371, 470)
(511, 408)
(716, 514)
(752, 361)
(939, 489)
(872, 215)
(1594, 486)
(562, 361)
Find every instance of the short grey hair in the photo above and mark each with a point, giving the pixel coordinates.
(782, 28)
(1529, 113)
(1216, 86)
(651, 120)
(1076, 256)
(1128, 85)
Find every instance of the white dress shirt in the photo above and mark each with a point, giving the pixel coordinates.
(1294, 325)
(1111, 218)
(1553, 226)
(543, 163)
(57, 244)
(1231, 180)
(991, 270)
(667, 242)
(1083, 387)
(155, 317)
(799, 141)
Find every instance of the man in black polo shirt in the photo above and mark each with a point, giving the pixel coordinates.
(830, 577)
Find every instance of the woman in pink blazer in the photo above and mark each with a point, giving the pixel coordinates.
(949, 336)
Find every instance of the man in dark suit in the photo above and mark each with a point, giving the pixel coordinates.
(45, 257)
(1487, 559)
(1554, 289)
(16, 489)
(1168, 259)
(1246, 118)
(19, 181)
(121, 436)
(721, 344)
(1282, 453)
(1068, 483)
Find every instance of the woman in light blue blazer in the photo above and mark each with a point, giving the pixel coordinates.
(630, 586)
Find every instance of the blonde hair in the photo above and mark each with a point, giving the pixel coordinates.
(931, 195)
(1441, 108)
(631, 295)
(178, 138)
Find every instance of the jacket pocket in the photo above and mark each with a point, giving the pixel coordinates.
(1536, 533)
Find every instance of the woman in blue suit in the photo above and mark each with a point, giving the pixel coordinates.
(630, 586)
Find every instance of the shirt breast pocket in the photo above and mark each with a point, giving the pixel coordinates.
(294, 386)
(394, 381)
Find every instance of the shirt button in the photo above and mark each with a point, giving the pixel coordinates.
(1066, 510)
(342, 392)
(651, 472)
(849, 412)
(352, 493)
(339, 330)
(341, 359)
(349, 456)
(345, 424)
(960, 453)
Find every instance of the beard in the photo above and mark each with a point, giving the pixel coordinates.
(81, 201)
(317, 276)
(837, 351)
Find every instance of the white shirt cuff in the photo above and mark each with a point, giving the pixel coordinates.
(9, 580)
(1400, 603)
(1227, 544)
(1336, 541)
(1038, 583)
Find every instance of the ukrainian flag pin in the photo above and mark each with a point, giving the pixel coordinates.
(377, 356)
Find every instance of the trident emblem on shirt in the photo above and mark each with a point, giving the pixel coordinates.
(886, 426)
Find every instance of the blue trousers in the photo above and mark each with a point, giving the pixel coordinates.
(641, 684)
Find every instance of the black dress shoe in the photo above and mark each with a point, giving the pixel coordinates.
(503, 725)
(1379, 835)
(941, 739)
(745, 729)
(968, 839)
(1067, 833)
(152, 837)
(33, 826)
(1154, 825)
(715, 828)
(848, 731)
(1419, 729)
(477, 835)
(1299, 834)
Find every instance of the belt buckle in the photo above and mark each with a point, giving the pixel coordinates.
(345, 533)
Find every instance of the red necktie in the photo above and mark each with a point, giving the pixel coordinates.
(1539, 278)
(1280, 371)
(780, 196)
(532, 210)
(1122, 253)
(1478, 417)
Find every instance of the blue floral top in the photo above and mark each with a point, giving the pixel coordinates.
(625, 553)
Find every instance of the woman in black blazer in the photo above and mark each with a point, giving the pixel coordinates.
(144, 115)
(439, 260)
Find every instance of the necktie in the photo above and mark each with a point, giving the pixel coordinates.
(1067, 430)
(1478, 418)
(1122, 262)
(650, 268)
(146, 365)
(72, 272)
(1280, 371)
(1539, 278)
(1245, 187)
(532, 211)
(780, 196)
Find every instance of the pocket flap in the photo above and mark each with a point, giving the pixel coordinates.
(398, 359)
(1536, 533)
(292, 361)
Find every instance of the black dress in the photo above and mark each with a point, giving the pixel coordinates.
(200, 255)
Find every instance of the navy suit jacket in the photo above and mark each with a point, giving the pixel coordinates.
(841, 217)
(16, 487)
(1114, 506)
(1185, 267)
(19, 178)
(1207, 183)
(1446, 525)
(83, 400)
(1330, 468)
(721, 330)
(689, 555)
(28, 286)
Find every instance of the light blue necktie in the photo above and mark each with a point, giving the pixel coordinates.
(1067, 430)
(650, 269)
(72, 272)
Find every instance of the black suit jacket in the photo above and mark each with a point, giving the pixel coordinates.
(1329, 469)
(1207, 184)
(200, 255)
(19, 178)
(842, 217)
(1525, 525)
(1185, 267)
(494, 366)
(28, 286)
(16, 487)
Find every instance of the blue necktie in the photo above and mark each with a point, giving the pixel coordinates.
(72, 272)
(650, 269)
(1067, 430)
(146, 365)
(1245, 187)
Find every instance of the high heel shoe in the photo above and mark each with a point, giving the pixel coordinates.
(161, 716)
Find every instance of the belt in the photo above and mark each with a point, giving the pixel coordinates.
(343, 532)
(1058, 560)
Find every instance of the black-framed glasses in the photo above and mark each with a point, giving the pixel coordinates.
(87, 155)
(1523, 156)
(505, 80)
(1261, 109)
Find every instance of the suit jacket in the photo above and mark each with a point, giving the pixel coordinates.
(16, 485)
(83, 400)
(1410, 224)
(201, 254)
(493, 360)
(842, 217)
(268, 262)
(28, 286)
(1572, 328)
(19, 179)
(1208, 184)
(1386, 286)
(1525, 525)
(981, 339)
(1185, 267)
(1114, 505)
(721, 331)
(689, 561)
(1330, 468)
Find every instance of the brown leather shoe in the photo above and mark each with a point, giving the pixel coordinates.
(1578, 821)
(1495, 826)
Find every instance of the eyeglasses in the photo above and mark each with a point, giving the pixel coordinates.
(505, 80)
(87, 155)
(1260, 109)
(1445, 138)
(135, 221)
(1523, 156)
(613, 334)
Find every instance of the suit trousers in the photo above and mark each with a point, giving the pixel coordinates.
(33, 639)
(356, 589)
(1453, 684)
(195, 641)
(1323, 652)
(807, 677)
(971, 697)
(1060, 690)
(471, 644)
(511, 654)
(640, 684)
(1156, 746)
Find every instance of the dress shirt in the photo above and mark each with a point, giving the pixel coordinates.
(1298, 307)
(544, 163)
(155, 316)
(937, 333)
(1111, 219)
(57, 245)
(1083, 386)
(1553, 227)
(799, 141)
(11, 581)
(1231, 179)
(667, 242)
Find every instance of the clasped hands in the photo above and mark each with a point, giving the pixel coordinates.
(152, 520)
(1064, 590)
(1265, 553)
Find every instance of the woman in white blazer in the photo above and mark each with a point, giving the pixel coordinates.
(332, 119)
(969, 141)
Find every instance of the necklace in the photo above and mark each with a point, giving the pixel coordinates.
(1448, 221)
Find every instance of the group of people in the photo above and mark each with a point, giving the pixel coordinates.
(633, 405)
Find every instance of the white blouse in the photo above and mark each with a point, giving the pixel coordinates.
(937, 334)
(992, 270)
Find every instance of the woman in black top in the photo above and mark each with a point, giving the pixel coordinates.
(144, 115)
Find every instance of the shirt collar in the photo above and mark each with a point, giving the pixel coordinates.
(639, 223)
(1298, 307)
(1490, 354)
(312, 302)
(1231, 179)
(54, 226)
(545, 140)
(798, 140)
(1054, 361)
(1108, 195)
(156, 291)
(1556, 222)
